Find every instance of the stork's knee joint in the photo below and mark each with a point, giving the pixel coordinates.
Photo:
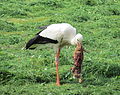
(56, 59)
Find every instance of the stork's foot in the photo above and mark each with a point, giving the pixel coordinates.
(58, 84)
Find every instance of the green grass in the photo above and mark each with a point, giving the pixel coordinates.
(32, 72)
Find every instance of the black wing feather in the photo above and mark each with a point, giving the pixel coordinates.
(39, 40)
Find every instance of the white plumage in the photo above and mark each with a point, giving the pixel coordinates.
(64, 33)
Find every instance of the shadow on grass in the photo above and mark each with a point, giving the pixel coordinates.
(5, 77)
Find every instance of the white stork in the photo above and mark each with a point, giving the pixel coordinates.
(59, 35)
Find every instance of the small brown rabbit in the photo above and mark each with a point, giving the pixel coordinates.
(78, 59)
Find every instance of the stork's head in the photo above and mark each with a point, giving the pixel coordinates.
(77, 39)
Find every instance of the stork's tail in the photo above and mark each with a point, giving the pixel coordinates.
(39, 40)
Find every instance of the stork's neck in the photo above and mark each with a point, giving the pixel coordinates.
(73, 41)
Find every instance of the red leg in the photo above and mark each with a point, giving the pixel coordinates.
(57, 63)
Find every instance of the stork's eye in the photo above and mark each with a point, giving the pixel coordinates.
(78, 40)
